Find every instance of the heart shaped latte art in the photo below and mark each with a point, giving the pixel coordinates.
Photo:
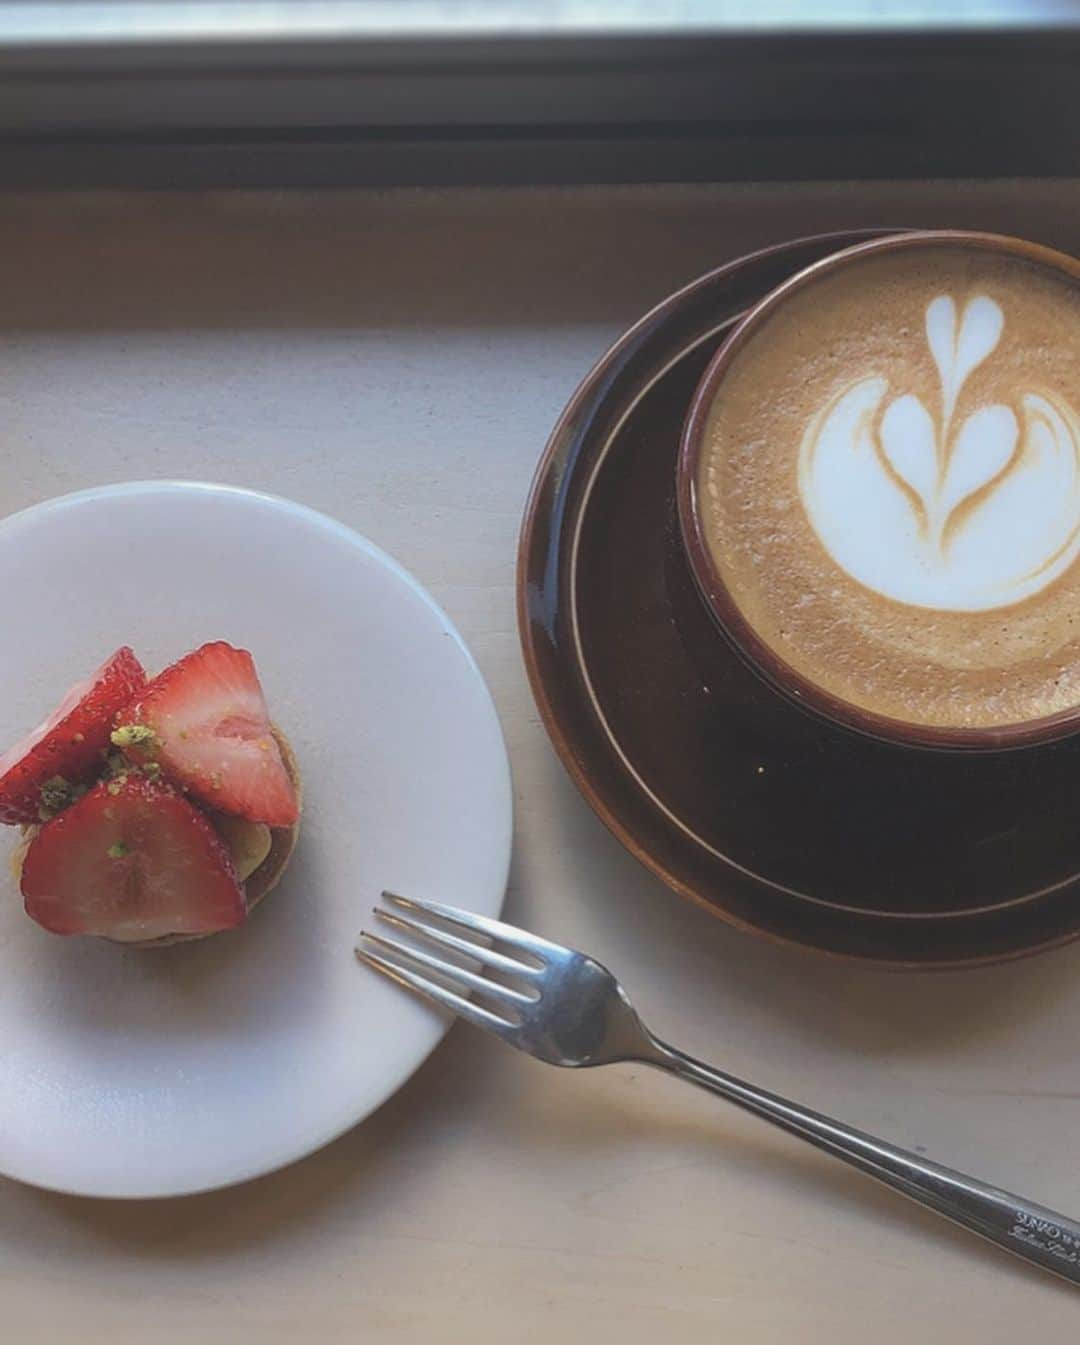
(926, 509)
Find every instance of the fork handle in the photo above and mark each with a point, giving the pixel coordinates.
(1030, 1231)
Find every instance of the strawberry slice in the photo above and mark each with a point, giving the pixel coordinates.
(131, 860)
(70, 742)
(211, 734)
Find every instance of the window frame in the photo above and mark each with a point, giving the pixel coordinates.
(516, 93)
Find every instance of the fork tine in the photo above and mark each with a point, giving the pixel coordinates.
(412, 980)
(501, 993)
(531, 944)
(486, 956)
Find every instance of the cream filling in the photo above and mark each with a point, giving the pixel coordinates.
(248, 842)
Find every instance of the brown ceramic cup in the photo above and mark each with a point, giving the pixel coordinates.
(728, 621)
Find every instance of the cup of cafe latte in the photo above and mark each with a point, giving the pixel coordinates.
(879, 490)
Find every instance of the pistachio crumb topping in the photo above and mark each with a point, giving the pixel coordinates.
(116, 764)
(56, 795)
(134, 735)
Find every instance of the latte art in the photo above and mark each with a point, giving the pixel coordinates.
(889, 483)
(959, 513)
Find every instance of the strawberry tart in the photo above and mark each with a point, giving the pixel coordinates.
(157, 810)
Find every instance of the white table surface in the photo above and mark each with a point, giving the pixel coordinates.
(397, 360)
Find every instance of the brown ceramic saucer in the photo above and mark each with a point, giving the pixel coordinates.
(772, 819)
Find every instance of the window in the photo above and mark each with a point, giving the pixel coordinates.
(338, 92)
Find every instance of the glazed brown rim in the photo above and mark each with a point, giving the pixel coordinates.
(576, 765)
(722, 607)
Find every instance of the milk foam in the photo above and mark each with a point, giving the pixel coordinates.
(890, 485)
(962, 516)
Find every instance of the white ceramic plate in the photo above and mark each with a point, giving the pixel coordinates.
(164, 1072)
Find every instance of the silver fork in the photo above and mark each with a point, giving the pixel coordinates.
(563, 1007)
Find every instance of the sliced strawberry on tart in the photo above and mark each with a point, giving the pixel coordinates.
(134, 861)
(205, 722)
(69, 747)
(176, 835)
